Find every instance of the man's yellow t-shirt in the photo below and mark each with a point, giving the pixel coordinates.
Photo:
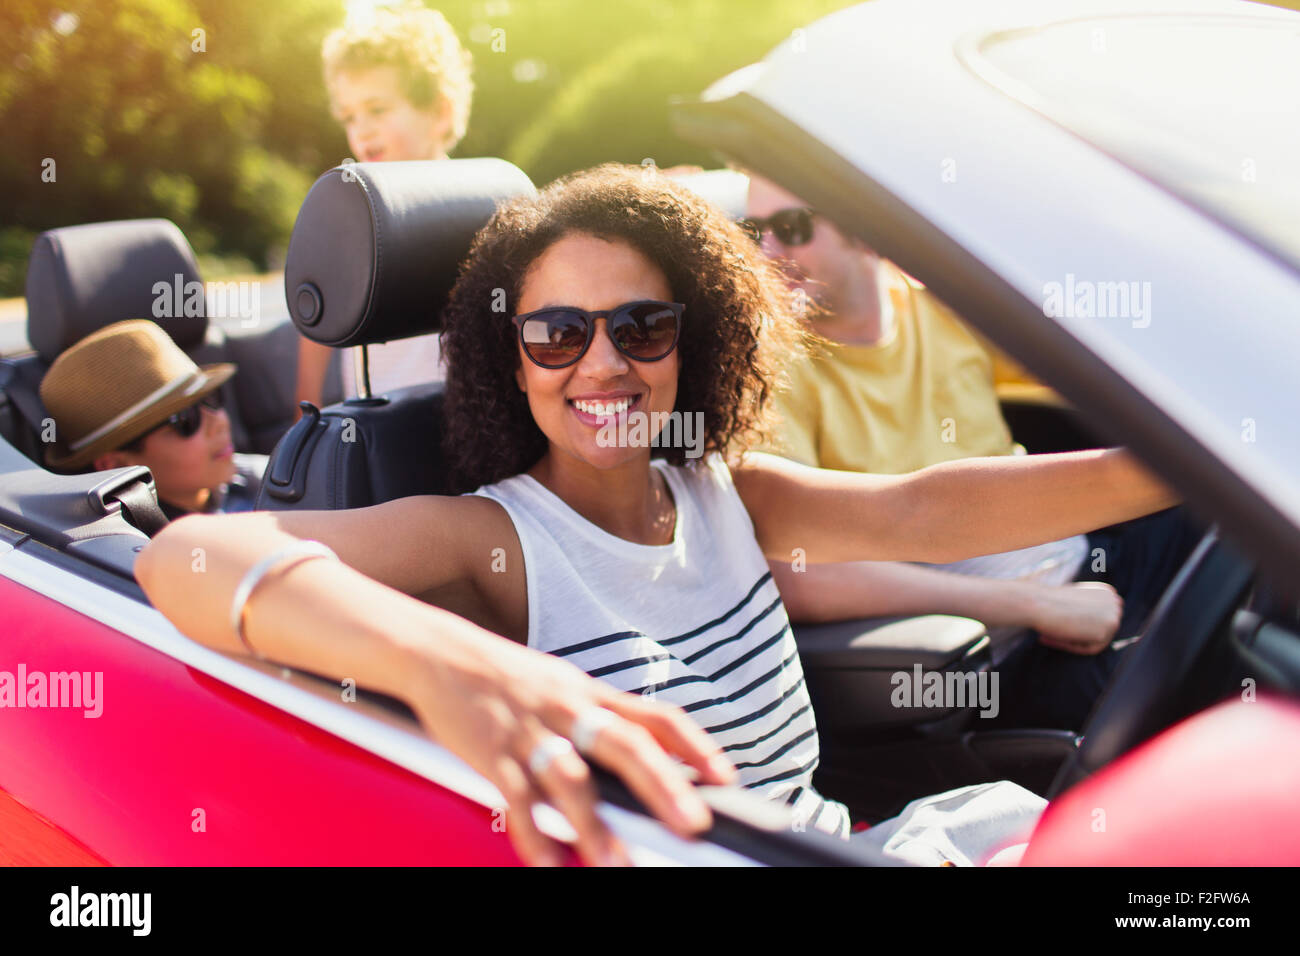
(924, 394)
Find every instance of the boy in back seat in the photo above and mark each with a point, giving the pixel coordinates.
(399, 85)
(127, 395)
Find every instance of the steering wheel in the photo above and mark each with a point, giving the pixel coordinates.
(1145, 694)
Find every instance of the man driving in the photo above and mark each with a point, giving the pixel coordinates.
(900, 384)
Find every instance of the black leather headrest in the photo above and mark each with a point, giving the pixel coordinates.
(82, 278)
(377, 246)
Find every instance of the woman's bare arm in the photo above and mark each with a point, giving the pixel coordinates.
(413, 545)
(409, 546)
(485, 698)
(944, 513)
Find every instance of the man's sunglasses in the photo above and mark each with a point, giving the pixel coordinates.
(557, 337)
(792, 227)
(188, 421)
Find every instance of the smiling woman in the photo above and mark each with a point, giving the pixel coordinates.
(634, 564)
(616, 236)
(702, 624)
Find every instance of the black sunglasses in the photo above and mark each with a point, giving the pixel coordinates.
(557, 337)
(792, 227)
(188, 421)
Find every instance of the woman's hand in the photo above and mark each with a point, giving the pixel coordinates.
(493, 703)
(487, 699)
(1079, 618)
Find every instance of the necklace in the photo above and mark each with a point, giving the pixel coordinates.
(666, 523)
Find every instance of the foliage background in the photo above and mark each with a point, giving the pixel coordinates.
(226, 142)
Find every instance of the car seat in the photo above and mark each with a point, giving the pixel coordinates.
(374, 254)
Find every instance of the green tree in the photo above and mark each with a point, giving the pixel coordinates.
(125, 109)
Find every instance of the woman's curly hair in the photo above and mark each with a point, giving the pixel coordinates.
(736, 331)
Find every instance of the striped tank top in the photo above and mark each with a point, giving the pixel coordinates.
(697, 623)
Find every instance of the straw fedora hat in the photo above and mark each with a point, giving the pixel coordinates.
(115, 385)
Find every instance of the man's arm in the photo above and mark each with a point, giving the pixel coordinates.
(1074, 617)
(943, 513)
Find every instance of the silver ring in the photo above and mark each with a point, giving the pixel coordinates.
(588, 725)
(547, 749)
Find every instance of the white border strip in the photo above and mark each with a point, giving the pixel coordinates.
(367, 727)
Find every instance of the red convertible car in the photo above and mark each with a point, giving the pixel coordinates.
(1008, 155)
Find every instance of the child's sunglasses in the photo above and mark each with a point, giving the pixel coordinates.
(557, 337)
(792, 227)
(188, 421)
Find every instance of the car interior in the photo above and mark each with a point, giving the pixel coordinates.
(374, 253)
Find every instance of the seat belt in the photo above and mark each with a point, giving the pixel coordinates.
(140, 507)
(133, 489)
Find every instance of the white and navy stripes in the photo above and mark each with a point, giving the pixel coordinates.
(697, 623)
